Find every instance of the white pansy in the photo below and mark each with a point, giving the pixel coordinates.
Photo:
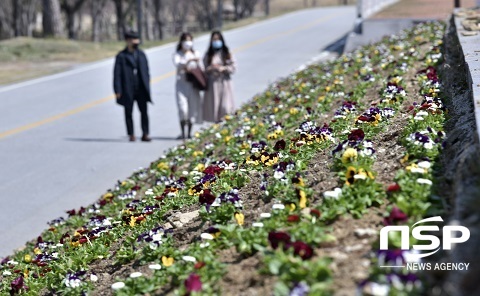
(257, 224)
(417, 170)
(6, 273)
(157, 236)
(422, 113)
(419, 118)
(424, 181)
(216, 202)
(135, 275)
(73, 283)
(189, 259)
(335, 194)
(155, 266)
(424, 164)
(93, 278)
(265, 215)
(206, 236)
(278, 207)
(204, 245)
(118, 285)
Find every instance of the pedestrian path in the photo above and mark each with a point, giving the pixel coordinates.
(421, 9)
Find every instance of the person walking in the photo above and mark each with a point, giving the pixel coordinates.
(219, 66)
(188, 97)
(131, 83)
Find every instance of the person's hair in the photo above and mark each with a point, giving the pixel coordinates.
(183, 37)
(224, 50)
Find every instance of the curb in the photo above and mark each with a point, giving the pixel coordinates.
(471, 52)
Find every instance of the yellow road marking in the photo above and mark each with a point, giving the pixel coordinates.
(154, 80)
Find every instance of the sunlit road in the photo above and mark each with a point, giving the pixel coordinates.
(62, 137)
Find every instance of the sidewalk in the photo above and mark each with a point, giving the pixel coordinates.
(421, 9)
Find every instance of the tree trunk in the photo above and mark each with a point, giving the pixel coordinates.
(71, 24)
(120, 19)
(16, 18)
(158, 18)
(70, 12)
(52, 20)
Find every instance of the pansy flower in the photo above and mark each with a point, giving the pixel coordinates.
(395, 217)
(346, 108)
(193, 283)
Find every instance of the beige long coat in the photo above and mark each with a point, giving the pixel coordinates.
(188, 98)
(218, 99)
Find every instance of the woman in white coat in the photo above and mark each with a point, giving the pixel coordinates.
(188, 97)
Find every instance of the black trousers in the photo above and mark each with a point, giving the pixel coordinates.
(142, 106)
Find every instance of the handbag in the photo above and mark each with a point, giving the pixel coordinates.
(198, 78)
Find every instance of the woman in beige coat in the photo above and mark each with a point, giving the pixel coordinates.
(188, 97)
(219, 66)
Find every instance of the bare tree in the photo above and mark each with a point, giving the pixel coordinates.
(23, 16)
(121, 14)
(52, 19)
(6, 29)
(158, 8)
(70, 7)
(180, 10)
(96, 7)
(203, 13)
(244, 8)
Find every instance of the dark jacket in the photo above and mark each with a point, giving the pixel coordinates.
(123, 77)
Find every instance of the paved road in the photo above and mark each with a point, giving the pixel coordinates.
(62, 138)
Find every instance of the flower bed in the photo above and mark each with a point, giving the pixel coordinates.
(265, 200)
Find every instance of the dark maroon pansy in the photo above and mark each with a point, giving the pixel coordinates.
(356, 135)
(206, 197)
(302, 249)
(393, 188)
(280, 145)
(293, 218)
(396, 216)
(277, 238)
(193, 283)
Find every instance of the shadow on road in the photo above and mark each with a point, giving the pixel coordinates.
(96, 140)
(122, 140)
(337, 46)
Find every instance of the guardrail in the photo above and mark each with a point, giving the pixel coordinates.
(366, 8)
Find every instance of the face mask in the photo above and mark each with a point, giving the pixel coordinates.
(135, 46)
(217, 44)
(187, 45)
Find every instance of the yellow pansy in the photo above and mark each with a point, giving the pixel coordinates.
(350, 155)
(302, 199)
(200, 167)
(197, 153)
(109, 195)
(132, 221)
(162, 166)
(321, 98)
(292, 207)
(27, 258)
(167, 261)
(239, 217)
(37, 251)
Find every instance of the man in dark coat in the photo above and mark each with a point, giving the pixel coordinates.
(131, 83)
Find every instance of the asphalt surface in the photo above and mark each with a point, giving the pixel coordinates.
(62, 137)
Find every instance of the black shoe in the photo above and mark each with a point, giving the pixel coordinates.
(146, 138)
(131, 138)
